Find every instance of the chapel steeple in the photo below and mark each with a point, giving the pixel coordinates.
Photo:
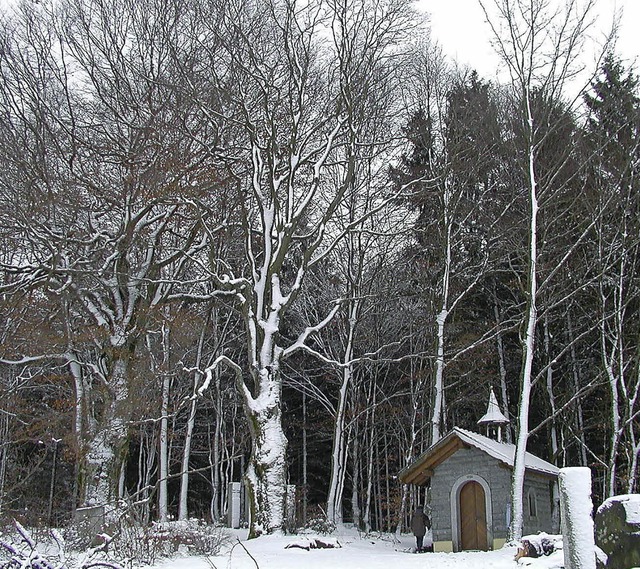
(494, 419)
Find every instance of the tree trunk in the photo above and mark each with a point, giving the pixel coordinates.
(79, 423)
(107, 448)
(355, 487)
(370, 430)
(555, 447)
(501, 366)
(611, 353)
(4, 437)
(305, 488)
(163, 474)
(417, 387)
(441, 319)
(528, 344)
(146, 470)
(633, 467)
(266, 476)
(576, 386)
(183, 508)
(215, 462)
(339, 452)
(163, 507)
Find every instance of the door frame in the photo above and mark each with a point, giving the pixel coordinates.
(456, 528)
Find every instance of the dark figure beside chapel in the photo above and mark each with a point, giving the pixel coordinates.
(420, 523)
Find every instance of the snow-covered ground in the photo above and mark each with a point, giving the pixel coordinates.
(352, 552)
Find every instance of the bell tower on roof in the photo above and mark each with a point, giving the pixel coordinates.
(494, 418)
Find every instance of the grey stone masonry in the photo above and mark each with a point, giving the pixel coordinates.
(538, 489)
(463, 463)
(471, 462)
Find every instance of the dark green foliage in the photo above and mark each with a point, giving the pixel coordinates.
(614, 121)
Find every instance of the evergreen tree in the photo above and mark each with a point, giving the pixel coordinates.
(614, 144)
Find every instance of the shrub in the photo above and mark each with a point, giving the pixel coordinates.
(320, 524)
(19, 550)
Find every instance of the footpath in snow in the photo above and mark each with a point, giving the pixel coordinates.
(354, 552)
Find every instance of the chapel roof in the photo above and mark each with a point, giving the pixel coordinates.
(421, 469)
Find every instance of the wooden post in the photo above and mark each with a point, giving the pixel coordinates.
(577, 524)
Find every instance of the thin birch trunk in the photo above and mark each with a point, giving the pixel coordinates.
(355, 486)
(339, 452)
(502, 368)
(634, 443)
(146, 461)
(183, 507)
(576, 386)
(438, 412)
(632, 485)
(217, 438)
(4, 447)
(555, 449)
(378, 488)
(52, 482)
(370, 430)
(528, 343)
(417, 387)
(539, 58)
(163, 508)
(304, 460)
(610, 344)
(387, 477)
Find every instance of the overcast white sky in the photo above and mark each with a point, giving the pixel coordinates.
(460, 27)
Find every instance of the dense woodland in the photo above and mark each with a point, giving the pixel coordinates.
(292, 243)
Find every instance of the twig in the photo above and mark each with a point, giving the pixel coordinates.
(247, 551)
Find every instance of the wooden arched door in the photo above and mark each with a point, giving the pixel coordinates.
(473, 517)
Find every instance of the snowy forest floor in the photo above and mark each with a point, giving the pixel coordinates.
(352, 551)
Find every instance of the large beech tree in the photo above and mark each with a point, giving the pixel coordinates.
(299, 96)
(103, 212)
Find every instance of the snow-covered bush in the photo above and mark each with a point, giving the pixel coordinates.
(320, 524)
(19, 550)
(193, 537)
(130, 540)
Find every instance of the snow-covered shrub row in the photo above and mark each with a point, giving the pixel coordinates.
(131, 545)
(132, 542)
(19, 550)
(193, 537)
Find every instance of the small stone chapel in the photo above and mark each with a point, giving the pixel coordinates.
(469, 475)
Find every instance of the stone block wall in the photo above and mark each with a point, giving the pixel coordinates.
(541, 487)
(466, 462)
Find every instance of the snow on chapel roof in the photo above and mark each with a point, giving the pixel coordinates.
(421, 469)
(505, 452)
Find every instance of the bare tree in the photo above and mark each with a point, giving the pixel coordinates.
(539, 46)
(302, 76)
(613, 127)
(105, 219)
